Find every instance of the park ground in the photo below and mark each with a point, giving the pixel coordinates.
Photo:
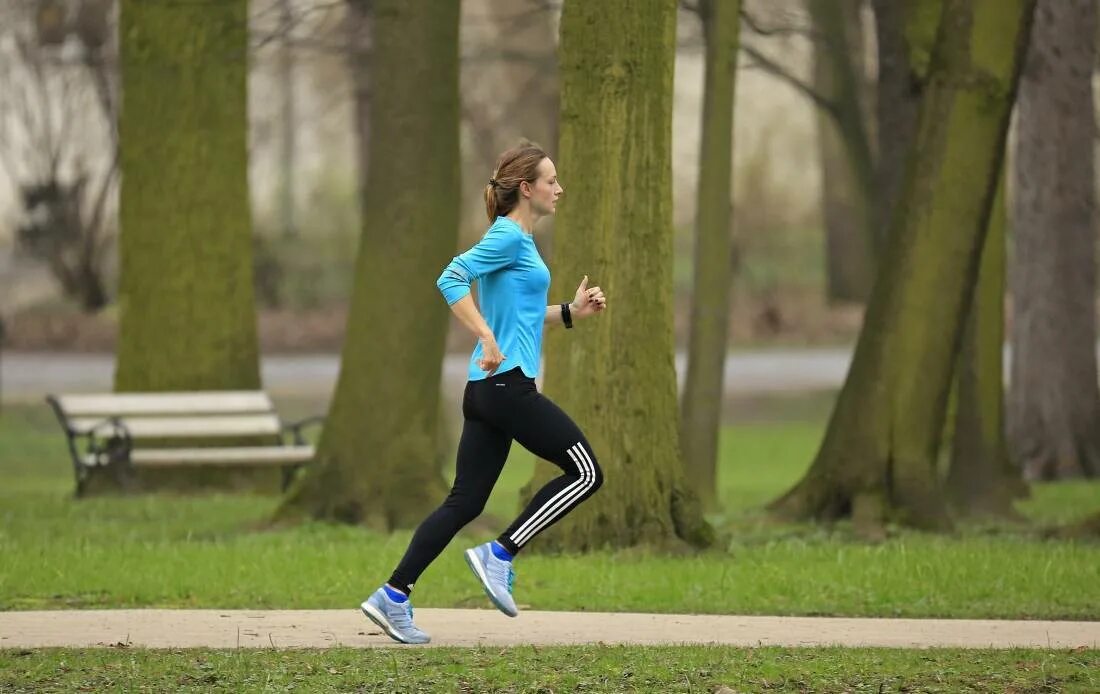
(186, 552)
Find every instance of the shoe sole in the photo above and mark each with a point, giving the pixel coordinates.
(374, 615)
(475, 565)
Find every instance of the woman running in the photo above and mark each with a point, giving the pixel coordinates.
(501, 402)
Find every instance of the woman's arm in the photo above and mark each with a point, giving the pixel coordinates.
(466, 311)
(588, 301)
(496, 250)
(553, 315)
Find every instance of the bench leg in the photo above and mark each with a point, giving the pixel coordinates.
(288, 475)
(81, 482)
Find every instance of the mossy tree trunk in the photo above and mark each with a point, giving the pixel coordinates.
(848, 187)
(904, 35)
(877, 460)
(186, 313)
(981, 479)
(1054, 404)
(187, 318)
(614, 373)
(701, 406)
(376, 460)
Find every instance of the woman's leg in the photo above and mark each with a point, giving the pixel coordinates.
(482, 451)
(543, 428)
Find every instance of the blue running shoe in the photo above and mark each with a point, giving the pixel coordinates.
(496, 576)
(395, 618)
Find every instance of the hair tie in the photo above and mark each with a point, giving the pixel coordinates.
(493, 182)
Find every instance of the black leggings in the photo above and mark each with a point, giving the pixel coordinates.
(496, 410)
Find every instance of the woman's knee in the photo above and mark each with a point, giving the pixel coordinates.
(597, 480)
(588, 468)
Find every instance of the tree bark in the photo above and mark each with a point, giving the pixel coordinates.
(376, 460)
(844, 143)
(878, 457)
(1054, 405)
(701, 406)
(288, 125)
(904, 32)
(357, 29)
(510, 43)
(187, 320)
(614, 373)
(981, 479)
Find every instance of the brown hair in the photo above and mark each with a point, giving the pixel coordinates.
(519, 164)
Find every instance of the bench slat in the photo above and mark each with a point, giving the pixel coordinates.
(167, 427)
(219, 402)
(270, 455)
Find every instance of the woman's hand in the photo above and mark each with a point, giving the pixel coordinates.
(589, 300)
(491, 358)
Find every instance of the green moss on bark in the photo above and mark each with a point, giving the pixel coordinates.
(878, 459)
(614, 374)
(187, 317)
(701, 408)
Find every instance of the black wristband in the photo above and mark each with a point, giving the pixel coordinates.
(566, 316)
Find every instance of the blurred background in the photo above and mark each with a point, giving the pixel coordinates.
(821, 124)
(59, 180)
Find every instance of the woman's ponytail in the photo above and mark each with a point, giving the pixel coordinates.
(519, 164)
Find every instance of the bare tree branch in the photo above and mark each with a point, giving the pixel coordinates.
(102, 81)
(52, 97)
(95, 222)
(773, 68)
(780, 30)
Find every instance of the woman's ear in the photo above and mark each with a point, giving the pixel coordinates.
(525, 189)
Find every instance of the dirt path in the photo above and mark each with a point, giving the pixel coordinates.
(326, 628)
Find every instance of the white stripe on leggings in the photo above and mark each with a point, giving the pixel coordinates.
(551, 504)
(585, 484)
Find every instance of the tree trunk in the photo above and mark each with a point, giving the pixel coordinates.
(614, 374)
(288, 125)
(878, 456)
(187, 320)
(186, 313)
(905, 32)
(510, 43)
(701, 413)
(357, 30)
(844, 144)
(1054, 406)
(981, 480)
(376, 460)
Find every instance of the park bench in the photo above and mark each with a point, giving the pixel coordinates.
(105, 431)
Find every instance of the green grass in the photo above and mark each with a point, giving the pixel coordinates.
(205, 551)
(526, 669)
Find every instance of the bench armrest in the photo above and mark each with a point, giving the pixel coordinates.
(115, 426)
(295, 428)
(107, 439)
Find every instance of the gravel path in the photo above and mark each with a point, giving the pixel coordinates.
(326, 628)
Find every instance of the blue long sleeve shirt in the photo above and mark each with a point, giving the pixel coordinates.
(512, 285)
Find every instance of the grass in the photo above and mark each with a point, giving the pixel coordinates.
(204, 551)
(527, 669)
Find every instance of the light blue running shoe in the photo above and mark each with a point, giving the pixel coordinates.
(395, 618)
(496, 576)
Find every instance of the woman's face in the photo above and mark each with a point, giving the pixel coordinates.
(545, 190)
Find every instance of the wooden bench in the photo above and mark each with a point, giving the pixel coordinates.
(103, 428)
